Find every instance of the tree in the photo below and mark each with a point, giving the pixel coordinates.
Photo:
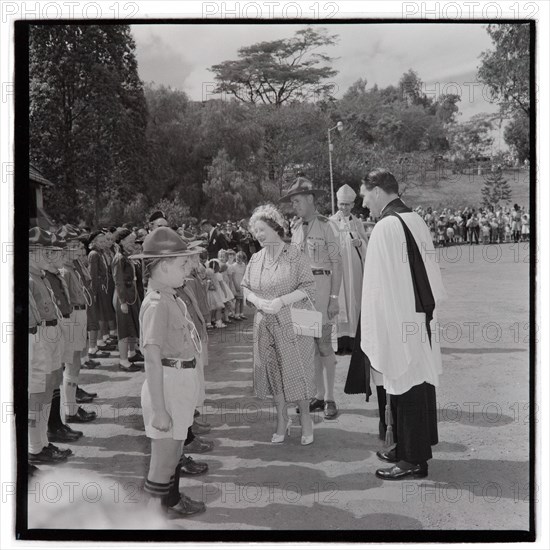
(506, 69)
(446, 108)
(410, 87)
(87, 115)
(230, 192)
(471, 140)
(516, 135)
(279, 71)
(496, 190)
(175, 209)
(172, 132)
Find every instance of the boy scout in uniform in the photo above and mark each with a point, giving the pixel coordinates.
(78, 321)
(172, 348)
(316, 236)
(45, 349)
(60, 293)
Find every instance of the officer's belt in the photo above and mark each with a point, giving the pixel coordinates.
(316, 271)
(179, 363)
(79, 307)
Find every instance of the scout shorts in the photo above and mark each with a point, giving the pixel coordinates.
(181, 392)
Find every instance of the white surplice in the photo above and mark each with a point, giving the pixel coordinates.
(349, 299)
(393, 334)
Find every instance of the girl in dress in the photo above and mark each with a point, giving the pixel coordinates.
(485, 232)
(236, 273)
(231, 255)
(507, 233)
(525, 227)
(214, 294)
(224, 285)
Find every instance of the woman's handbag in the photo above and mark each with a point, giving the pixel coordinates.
(307, 322)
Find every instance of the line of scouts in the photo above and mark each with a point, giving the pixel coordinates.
(80, 302)
(67, 309)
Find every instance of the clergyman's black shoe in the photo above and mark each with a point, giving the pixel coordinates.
(396, 473)
(388, 456)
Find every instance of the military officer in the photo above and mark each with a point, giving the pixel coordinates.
(318, 237)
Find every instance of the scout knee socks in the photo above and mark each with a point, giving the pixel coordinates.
(54, 421)
(69, 394)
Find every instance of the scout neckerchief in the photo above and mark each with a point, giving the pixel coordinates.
(58, 313)
(193, 300)
(195, 337)
(106, 285)
(86, 292)
(34, 308)
(134, 278)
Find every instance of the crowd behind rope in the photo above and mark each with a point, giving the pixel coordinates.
(483, 225)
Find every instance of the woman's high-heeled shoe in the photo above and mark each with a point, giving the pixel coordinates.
(307, 439)
(276, 438)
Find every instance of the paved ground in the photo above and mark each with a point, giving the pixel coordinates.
(478, 478)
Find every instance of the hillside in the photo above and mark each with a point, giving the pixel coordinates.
(465, 190)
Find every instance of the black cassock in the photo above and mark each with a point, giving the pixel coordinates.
(414, 412)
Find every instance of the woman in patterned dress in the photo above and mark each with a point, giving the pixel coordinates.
(276, 277)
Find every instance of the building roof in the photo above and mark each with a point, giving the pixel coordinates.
(36, 176)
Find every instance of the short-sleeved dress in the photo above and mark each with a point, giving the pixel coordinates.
(214, 294)
(283, 361)
(236, 272)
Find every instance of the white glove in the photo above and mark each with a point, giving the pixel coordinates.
(253, 299)
(273, 307)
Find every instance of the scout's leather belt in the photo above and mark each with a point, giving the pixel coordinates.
(321, 271)
(79, 307)
(179, 363)
(52, 323)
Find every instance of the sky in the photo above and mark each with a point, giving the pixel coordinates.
(445, 56)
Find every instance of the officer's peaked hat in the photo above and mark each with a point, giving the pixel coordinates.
(301, 186)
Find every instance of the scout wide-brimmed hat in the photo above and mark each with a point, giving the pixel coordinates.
(165, 242)
(157, 215)
(68, 233)
(301, 186)
(40, 238)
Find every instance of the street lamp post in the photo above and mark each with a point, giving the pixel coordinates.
(339, 126)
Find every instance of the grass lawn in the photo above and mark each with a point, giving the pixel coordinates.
(460, 190)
